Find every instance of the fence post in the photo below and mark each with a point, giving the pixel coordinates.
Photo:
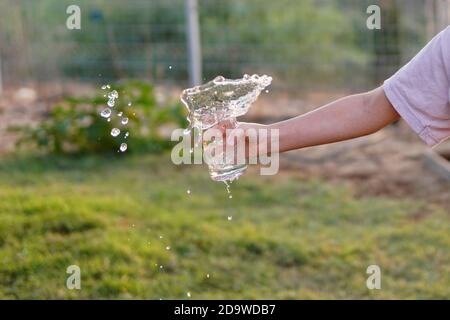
(193, 39)
(1, 79)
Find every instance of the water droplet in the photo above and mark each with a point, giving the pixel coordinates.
(120, 114)
(267, 91)
(161, 237)
(170, 67)
(129, 104)
(108, 86)
(161, 267)
(188, 294)
(188, 191)
(230, 218)
(123, 147)
(219, 79)
(168, 248)
(115, 132)
(207, 275)
(113, 94)
(106, 113)
(230, 196)
(124, 121)
(127, 134)
(111, 103)
(104, 87)
(109, 120)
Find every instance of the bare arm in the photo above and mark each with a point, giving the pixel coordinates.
(350, 117)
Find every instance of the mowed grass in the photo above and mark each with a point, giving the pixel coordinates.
(121, 218)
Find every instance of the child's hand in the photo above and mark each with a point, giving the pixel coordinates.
(242, 133)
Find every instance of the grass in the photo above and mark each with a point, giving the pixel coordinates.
(288, 238)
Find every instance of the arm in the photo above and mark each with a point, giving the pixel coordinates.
(350, 117)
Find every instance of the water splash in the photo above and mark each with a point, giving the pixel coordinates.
(107, 113)
(221, 99)
(217, 101)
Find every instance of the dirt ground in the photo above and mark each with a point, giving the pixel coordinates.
(388, 163)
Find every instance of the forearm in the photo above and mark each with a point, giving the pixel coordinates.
(347, 118)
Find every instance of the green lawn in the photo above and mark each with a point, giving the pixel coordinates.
(288, 237)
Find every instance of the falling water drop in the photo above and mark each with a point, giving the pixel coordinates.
(115, 132)
(105, 113)
(123, 147)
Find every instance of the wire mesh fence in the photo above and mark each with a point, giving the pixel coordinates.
(303, 44)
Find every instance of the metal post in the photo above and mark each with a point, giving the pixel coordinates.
(1, 79)
(193, 38)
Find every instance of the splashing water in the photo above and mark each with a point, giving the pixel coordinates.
(221, 99)
(217, 101)
(107, 113)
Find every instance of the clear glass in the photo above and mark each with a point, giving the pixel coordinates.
(223, 166)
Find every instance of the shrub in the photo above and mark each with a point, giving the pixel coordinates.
(75, 126)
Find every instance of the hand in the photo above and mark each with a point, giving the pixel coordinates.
(242, 133)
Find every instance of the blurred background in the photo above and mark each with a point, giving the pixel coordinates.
(139, 226)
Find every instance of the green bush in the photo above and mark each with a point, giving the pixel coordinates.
(75, 126)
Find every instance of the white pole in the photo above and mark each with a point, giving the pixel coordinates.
(193, 39)
(1, 79)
